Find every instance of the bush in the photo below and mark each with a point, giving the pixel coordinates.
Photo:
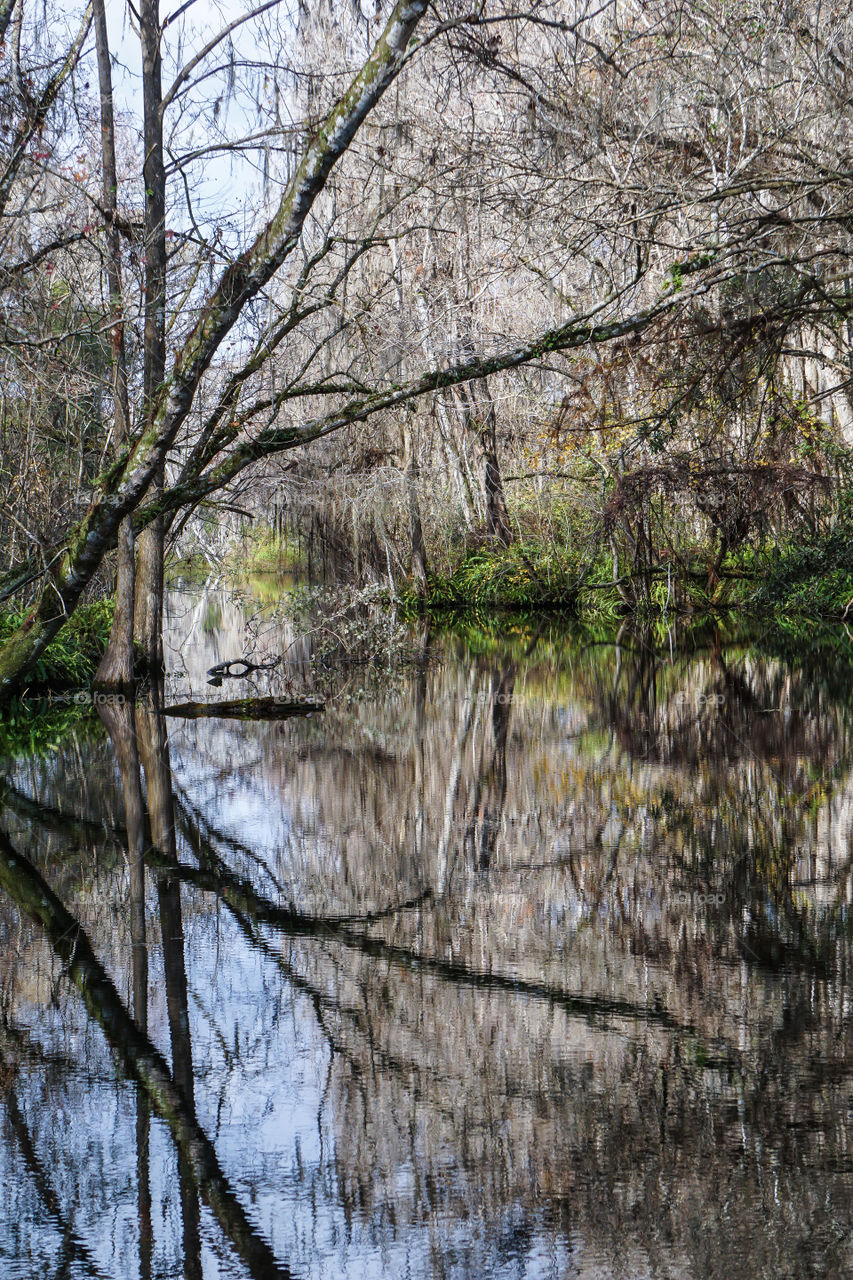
(813, 578)
(526, 575)
(72, 658)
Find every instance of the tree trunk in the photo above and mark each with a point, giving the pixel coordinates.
(418, 565)
(419, 556)
(148, 619)
(480, 419)
(456, 462)
(116, 667)
(148, 596)
(497, 520)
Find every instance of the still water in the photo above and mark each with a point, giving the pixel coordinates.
(525, 957)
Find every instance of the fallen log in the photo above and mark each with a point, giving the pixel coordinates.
(244, 709)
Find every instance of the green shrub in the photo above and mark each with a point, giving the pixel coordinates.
(72, 658)
(814, 577)
(526, 575)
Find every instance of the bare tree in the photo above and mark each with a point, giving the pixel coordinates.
(116, 667)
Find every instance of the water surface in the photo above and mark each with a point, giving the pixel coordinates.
(524, 958)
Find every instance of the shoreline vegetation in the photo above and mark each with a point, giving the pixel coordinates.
(791, 590)
(71, 660)
(802, 578)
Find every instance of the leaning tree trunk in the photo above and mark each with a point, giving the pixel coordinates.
(116, 667)
(149, 565)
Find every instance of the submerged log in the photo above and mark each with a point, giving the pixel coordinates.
(232, 671)
(244, 709)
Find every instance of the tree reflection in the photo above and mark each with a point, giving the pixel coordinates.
(536, 1040)
(138, 1057)
(119, 720)
(154, 754)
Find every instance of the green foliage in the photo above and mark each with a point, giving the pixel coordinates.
(527, 575)
(72, 658)
(812, 578)
(37, 728)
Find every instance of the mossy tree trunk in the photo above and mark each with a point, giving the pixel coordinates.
(116, 667)
(148, 613)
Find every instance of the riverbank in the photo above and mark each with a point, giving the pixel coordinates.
(805, 581)
(788, 591)
(71, 660)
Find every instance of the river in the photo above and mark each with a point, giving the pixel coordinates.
(527, 955)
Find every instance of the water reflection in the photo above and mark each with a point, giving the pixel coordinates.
(530, 961)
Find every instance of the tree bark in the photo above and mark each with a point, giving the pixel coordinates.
(418, 546)
(116, 667)
(148, 605)
(497, 519)
(480, 418)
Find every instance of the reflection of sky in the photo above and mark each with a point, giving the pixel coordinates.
(282, 1087)
(261, 1070)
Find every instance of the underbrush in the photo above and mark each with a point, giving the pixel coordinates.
(812, 578)
(72, 658)
(526, 575)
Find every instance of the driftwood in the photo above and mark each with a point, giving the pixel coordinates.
(244, 709)
(224, 670)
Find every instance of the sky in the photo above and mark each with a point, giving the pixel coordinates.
(227, 189)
